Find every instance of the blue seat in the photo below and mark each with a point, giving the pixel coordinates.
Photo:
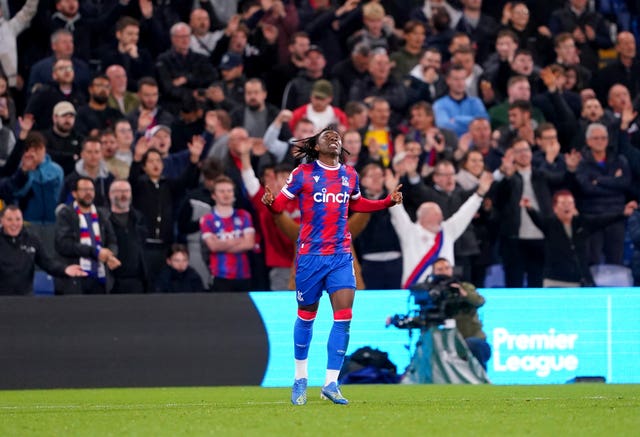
(43, 284)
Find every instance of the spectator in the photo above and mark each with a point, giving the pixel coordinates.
(84, 235)
(505, 49)
(130, 231)
(408, 57)
(379, 83)
(62, 47)
(283, 16)
(181, 71)
(357, 115)
(521, 124)
(515, 17)
(177, 276)
(567, 55)
(229, 234)
(218, 125)
(435, 144)
(479, 139)
(449, 197)
(625, 70)
(518, 88)
(466, 57)
(279, 253)
(278, 77)
(97, 114)
(330, 37)
(86, 29)
(236, 39)
(42, 101)
(480, 27)
(10, 28)
(378, 29)
(39, 195)
(604, 179)
(256, 114)
(120, 99)
(589, 28)
(21, 251)
(430, 237)
(354, 68)
(124, 138)
(319, 110)
(149, 114)
(559, 106)
(63, 140)
(567, 237)
(91, 166)
(203, 41)
(298, 90)
(7, 104)
(522, 242)
(378, 138)
(157, 198)
(233, 79)
(456, 110)
(426, 81)
(195, 205)
(119, 168)
(377, 245)
(134, 59)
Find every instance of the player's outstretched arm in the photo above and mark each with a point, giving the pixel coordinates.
(275, 204)
(365, 205)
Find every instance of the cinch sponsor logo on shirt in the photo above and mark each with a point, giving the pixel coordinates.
(324, 197)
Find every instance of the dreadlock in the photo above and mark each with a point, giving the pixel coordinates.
(305, 148)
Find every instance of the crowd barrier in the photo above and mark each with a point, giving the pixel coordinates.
(538, 336)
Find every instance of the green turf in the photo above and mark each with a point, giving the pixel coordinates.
(426, 410)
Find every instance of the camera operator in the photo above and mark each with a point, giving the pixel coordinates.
(467, 321)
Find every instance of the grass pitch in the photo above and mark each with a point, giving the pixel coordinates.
(376, 410)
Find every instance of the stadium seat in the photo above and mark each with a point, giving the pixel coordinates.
(42, 284)
(611, 275)
(494, 277)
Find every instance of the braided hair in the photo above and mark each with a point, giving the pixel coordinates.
(305, 148)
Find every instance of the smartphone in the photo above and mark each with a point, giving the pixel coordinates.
(3, 103)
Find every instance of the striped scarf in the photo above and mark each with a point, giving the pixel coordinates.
(85, 238)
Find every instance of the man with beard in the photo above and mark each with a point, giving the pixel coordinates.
(256, 115)
(131, 231)
(62, 139)
(42, 101)
(84, 236)
(149, 114)
(97, 114)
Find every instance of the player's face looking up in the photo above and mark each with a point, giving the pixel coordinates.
(329, 143)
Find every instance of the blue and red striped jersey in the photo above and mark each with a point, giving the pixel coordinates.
(323, 194)
(223, 264)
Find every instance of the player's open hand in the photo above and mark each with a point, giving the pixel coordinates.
(267, 197)
(396, 195)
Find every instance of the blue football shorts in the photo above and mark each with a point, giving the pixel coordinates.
(315, 273)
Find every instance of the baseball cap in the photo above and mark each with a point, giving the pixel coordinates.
(154, 130)
(314, 48)
(322, 89)
(230, 60)
(63, 108)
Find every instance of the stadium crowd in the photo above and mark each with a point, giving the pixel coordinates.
(137, 136)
